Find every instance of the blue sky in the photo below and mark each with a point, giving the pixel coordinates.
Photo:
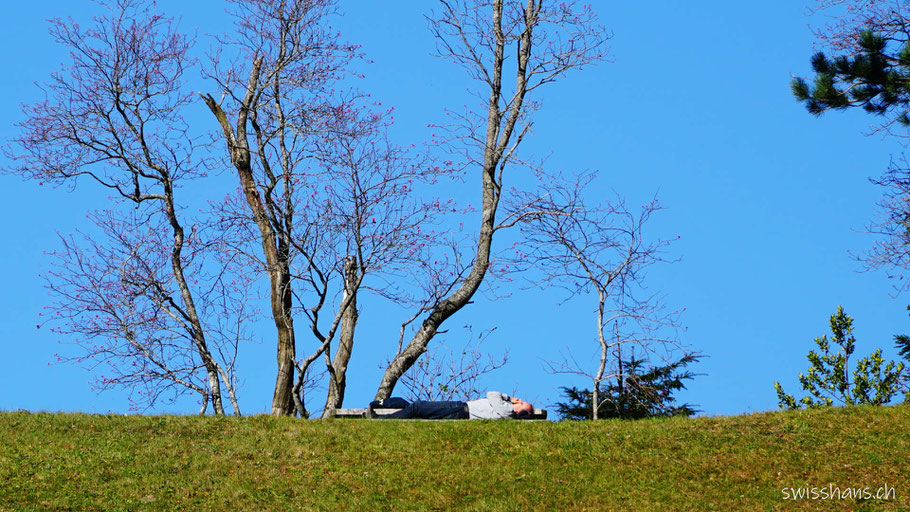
(695, 106)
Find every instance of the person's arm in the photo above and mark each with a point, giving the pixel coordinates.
(497, 397)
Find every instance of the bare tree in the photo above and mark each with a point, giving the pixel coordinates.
(363, 228)
(114, 297)
(891, 253)
(350, 212)
(547, 39)
(601, 252)
(113, 115)
(845, 19)
(272, 96)
(332, 199)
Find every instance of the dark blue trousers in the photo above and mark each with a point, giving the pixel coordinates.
(425, 409)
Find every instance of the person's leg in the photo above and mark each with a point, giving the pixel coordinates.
(395, 402)
(438, 410)
(425, 409)
(407, 412)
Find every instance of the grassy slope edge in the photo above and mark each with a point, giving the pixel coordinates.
(94, 462)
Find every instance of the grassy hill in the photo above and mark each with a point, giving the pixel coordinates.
(94, 462)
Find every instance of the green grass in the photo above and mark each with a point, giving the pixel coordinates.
(92, 462)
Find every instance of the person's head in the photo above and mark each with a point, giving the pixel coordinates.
(522, 409)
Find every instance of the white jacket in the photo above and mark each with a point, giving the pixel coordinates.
(495, 406)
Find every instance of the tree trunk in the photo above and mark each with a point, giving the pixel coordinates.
(621, 382)
(339, 366)
(196, 331)
(283, 398)
(205, 403)
(232, 392)
(602, 364)
(277, 263)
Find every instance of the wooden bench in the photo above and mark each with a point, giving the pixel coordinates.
(538, 414)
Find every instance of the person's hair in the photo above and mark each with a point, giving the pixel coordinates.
(525, 414)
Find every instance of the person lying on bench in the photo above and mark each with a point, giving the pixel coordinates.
(495, 406)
